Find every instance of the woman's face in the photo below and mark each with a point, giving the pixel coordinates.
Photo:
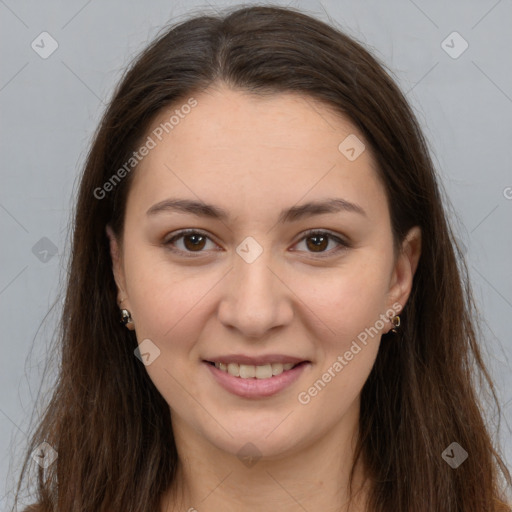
(250, 287)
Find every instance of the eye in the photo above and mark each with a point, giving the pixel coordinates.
(320, 241)
(194, 241)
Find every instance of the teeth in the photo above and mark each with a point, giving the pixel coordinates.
(234, 369)
(277, 368)
(263, 372)
(249, 371)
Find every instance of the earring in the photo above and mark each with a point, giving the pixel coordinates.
(126, 319)
(396, 324)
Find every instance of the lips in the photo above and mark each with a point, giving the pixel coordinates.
(263, 384)
(261, 367)
(255, 376)
(248, 371)
(255, 361)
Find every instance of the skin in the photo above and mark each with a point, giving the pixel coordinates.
(254, 156)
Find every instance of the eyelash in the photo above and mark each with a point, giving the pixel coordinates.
(342, 244)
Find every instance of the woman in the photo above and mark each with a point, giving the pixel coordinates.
(260, 210)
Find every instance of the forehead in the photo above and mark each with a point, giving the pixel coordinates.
(253, 152)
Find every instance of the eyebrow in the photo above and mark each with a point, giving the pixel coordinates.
(201, 209)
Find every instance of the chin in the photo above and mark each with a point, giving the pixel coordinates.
(251, 439)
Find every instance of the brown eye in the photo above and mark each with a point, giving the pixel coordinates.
(317, 243)
(188, 242)
(193, 242)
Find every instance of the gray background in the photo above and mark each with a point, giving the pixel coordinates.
(50, 108)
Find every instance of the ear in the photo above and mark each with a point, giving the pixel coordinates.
(405, 268)
(117, 265)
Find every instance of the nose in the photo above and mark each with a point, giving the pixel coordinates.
(255, 299)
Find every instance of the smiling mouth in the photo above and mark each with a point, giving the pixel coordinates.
(248, 371)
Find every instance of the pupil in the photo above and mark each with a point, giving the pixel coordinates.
(320, 241)
(195, 244)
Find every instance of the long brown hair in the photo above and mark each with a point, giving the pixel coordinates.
(107, 421)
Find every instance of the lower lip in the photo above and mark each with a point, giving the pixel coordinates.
(256, 388)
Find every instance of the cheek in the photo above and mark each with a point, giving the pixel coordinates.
(346, 300)
(349, 305)
(167, 301)
(160, 296)
(337, 303)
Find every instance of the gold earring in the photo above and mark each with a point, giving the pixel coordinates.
(396, 324)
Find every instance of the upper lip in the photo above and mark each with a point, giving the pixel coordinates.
(255, 360)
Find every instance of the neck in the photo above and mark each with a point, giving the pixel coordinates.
(313, 477)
